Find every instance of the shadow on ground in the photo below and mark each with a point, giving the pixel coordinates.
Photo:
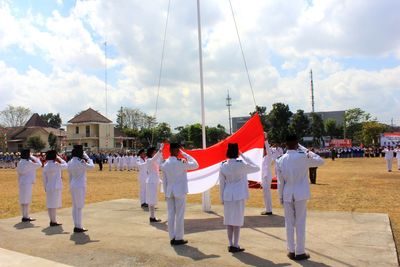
(81, 239)
(55, 230)
(193, 253)
(24, 225)
(209, 224)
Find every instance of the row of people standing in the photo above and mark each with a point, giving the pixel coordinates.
(53, 185)
(122, 162)
(392, 153)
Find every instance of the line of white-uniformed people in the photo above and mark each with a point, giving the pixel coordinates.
(52, 183)
(292, 169)
(122, 162)
(8, 160)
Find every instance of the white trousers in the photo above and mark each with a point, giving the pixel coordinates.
(78, 195)
(176, 217)
(142, 185)
(398, 162)
(77, 216)
(110, 166)
(52, 214)
(266, 185)
(25, 210)
(295, 219)
(389, 163)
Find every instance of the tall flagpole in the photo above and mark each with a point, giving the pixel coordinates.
(206, 200)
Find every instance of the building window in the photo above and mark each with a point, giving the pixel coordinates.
(87, 130)
(85, 145)
(77, 130)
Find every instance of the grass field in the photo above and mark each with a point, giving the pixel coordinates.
(360, 185)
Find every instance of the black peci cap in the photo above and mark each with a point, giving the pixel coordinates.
(25, 153)
(51, 155)
(291, 138)
(174, 146)
(233, 151)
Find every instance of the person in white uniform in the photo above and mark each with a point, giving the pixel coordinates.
(121, 162)
(175, 185)
(110, 159)
(26, 170)
(131, 162)
(117, 158)
(389, 155)
(52, 182)
(397, 150)
(141, 163)
(154, 159)
(234, 191)
(269, 157)
(77, 168)
(294, 191)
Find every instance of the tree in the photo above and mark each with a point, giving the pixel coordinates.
(162, 132)
(353, 123)
(52, 139)
(52, 120)
(262, 111)
(278, 118)
(215, 134)
(300, 124)
(330, 128)
(35, 143)
(14, 116)
(121, 118)
(317, 129)
(371, 131)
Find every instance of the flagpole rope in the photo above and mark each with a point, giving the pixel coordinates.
(243, 56)
(161, 67)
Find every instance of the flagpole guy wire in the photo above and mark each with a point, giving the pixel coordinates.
(243, 56)
(161, 66)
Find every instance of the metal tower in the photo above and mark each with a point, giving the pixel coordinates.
(312, 93)
(229, 104)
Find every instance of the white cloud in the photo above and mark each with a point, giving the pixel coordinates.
(303, 36)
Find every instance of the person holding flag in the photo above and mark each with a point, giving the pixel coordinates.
(269, 157)
(154, 159)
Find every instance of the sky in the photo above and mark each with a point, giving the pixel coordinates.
(52, 56)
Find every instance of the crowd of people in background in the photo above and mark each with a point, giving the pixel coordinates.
(126, 161)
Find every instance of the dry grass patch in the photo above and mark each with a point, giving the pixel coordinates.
(360, 185)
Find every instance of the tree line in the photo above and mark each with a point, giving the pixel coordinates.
(359, 126)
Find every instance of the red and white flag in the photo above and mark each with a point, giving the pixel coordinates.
(250, 138)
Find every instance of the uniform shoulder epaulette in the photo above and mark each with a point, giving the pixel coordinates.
(301, 152)
(239, 160)
(179, 159)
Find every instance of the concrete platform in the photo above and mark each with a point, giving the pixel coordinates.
(120, 235)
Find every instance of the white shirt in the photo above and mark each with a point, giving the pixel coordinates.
(389, 154)
(26, 170)
(142, 165)
(110, 160)
(397, 153)
(267, 161)
(233, 184)
(175, 182)
(77, 172)
(153, 168)
(292, 171)
(52, 175)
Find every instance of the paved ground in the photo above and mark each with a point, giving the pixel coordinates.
(120, 235)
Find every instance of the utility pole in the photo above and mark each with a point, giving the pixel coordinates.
(312, 93)
(229, 104)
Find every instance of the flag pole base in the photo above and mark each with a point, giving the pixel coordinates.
(206, 201)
